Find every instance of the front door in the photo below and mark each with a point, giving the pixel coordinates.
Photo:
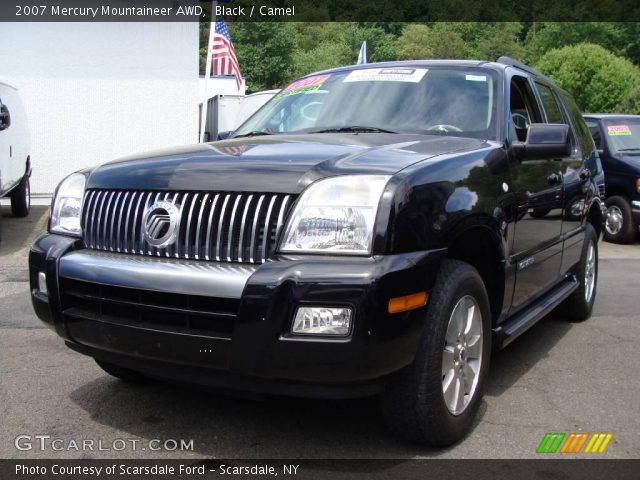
(536, 249)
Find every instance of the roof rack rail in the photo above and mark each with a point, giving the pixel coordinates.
(504, 60)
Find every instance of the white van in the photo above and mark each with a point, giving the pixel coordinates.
(15, 162)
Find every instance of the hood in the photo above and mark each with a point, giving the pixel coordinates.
(633, 161)
(278, 164)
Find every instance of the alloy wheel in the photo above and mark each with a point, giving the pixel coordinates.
(615, 220)
(590, 272)
(462, 355)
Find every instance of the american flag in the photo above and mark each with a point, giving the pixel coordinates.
(224, 57)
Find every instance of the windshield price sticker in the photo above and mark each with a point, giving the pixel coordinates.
(618, 130)
(305, 85)
(476, 78)
(411, 75)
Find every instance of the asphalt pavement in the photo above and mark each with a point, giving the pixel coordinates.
(557, 377)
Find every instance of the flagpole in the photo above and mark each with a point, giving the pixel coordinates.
(207, 72)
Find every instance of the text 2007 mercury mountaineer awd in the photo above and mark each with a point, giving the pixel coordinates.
(371, 230)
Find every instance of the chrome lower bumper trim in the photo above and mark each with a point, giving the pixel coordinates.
(157, 274)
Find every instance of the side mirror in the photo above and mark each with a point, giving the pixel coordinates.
(5, 117)
(224, 135)
(544, 141)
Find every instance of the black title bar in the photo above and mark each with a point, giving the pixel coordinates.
(320, 10)
(336, 469)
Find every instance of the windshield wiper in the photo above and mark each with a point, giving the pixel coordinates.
(629, 149)
(255, 133)
(353, 128)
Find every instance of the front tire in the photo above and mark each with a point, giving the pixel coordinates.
(619, 227)
(435, 400)
(21, 198)
(579, 305)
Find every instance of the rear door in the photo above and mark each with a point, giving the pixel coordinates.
(579, 173)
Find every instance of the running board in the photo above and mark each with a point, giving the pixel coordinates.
(512, 328)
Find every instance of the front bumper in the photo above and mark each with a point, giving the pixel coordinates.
(228, 325)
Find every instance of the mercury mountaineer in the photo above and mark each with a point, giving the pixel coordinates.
(376, 229)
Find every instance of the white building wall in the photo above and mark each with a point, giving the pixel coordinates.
(97, 91)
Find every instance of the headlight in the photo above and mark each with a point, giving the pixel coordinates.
(67, 206)
(335, 215)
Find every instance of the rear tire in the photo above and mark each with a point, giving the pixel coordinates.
(579, 305)
(125, 374)
(21, 198)
(419, 403)
(619, 227)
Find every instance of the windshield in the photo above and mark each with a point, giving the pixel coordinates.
(623, 135)
(435, 100)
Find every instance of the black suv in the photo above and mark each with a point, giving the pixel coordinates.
(371, 229)
(617, 138)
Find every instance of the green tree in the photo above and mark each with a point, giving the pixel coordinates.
(546, 36)
(327, 45)
(265, 52)
(477, 40)
(419, 42)
(414, 42)
(310, 34)
(327, 54)
(598, 80)
(497, 40)
(487, 40)
(630, 103)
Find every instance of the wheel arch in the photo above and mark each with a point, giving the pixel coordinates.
(595, 217)
(480, 246)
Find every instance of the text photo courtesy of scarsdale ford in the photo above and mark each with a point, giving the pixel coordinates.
(319, 239)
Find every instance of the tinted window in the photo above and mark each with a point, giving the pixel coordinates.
(554, 114)
(582, 132)
(524, 110)
(623, 134)
(594, 129)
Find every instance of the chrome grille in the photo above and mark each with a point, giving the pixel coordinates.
(215, 226)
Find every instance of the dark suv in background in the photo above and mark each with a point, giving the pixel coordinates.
(373, 229)
(617, 138)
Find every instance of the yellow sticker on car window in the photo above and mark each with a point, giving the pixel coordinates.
(304, 85)
(618, 130)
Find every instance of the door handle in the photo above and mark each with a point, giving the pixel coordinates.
(554, 179)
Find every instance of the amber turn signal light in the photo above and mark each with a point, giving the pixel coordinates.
(408, 302)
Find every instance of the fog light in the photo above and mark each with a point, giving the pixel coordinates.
(322, 321)
(42, 283)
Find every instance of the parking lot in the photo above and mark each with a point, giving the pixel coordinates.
(558, 377)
